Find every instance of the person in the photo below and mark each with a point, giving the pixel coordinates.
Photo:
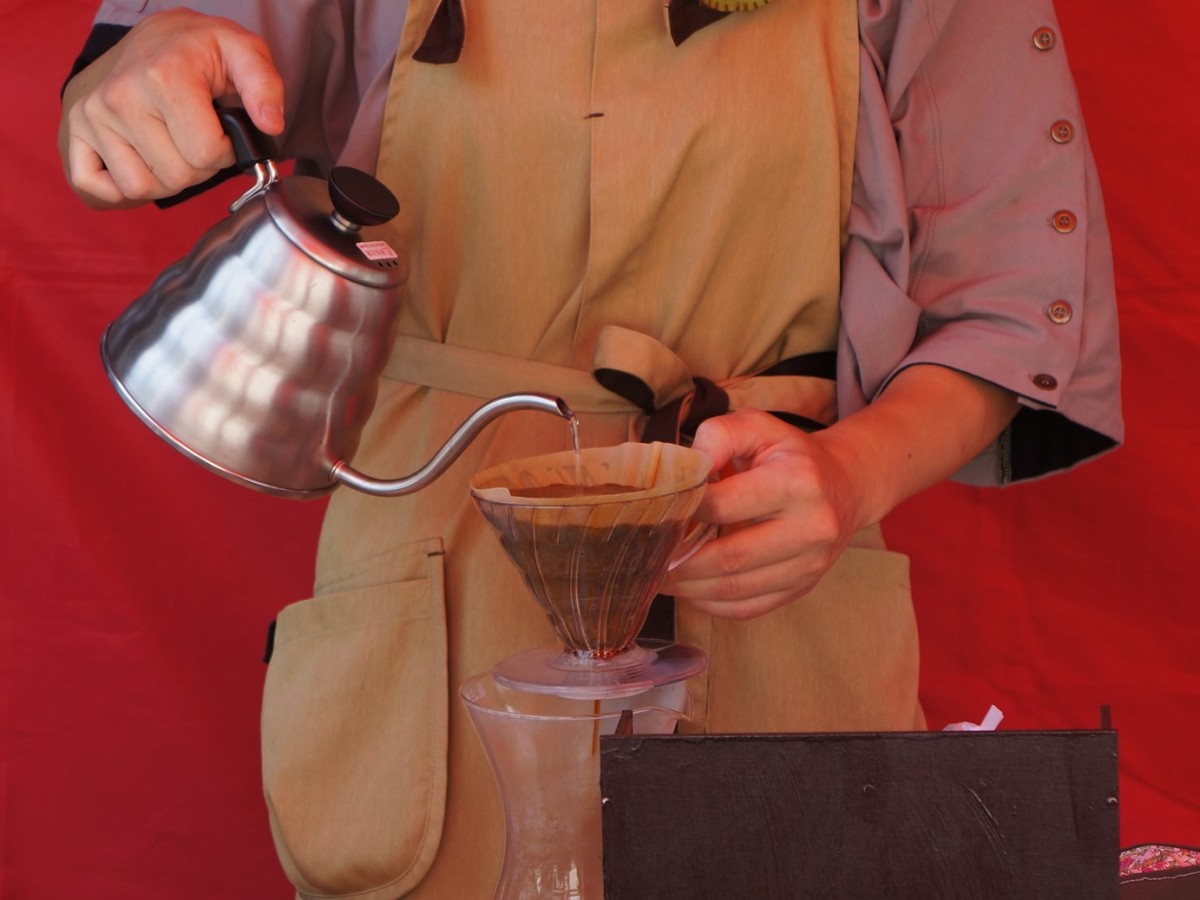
(848, 248)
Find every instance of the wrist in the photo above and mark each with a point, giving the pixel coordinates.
(926, 425)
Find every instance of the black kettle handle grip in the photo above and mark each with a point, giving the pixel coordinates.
(250, 146)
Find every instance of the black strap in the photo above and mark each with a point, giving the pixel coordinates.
(671, 425)
(627, 385)
(686, 17)
(443, 41)
(821, 364)
(102, 38)
(269, 650)
(660, 620)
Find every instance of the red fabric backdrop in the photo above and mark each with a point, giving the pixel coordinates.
(136, 588)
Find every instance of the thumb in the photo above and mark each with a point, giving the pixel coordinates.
(737, 437)
(251, 74)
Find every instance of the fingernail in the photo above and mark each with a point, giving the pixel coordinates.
(272, 116)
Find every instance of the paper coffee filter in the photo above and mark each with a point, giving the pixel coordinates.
(651, 470)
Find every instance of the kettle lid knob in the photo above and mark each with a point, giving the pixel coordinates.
(359, 199)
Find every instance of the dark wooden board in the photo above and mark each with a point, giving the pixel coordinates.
(896, 816)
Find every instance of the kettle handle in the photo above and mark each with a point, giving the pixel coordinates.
(250, 146)
(343, 473)
(251, 149)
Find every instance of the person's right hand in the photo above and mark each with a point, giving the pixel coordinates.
(138, 124)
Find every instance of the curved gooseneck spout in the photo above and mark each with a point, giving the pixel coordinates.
(345, 474)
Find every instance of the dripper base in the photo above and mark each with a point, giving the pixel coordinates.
(554, 670)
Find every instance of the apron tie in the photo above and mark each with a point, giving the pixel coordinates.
(652, 377)
(631, 371)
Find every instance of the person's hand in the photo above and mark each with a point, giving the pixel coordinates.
(787, 508)
(789, 502)
(138, 124)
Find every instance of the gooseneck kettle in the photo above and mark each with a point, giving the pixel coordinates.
(259, 354)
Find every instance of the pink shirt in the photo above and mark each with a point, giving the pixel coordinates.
(977, 237)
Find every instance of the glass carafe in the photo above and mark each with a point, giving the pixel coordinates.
(545, 754)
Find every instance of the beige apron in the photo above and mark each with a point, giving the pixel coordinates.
(578, 193)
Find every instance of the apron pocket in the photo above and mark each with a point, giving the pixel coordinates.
(844, 657)
(354, 730)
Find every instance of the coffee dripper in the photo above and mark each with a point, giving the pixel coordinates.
(593, 533)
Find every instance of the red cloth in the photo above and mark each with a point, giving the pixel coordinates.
(136, 588)
(1053, 598)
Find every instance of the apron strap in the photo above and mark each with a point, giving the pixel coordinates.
(632, 373)
(675, 402)
(486, 375)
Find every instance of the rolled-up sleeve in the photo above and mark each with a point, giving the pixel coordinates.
(977, 236)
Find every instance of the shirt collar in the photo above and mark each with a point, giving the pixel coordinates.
(443, 41)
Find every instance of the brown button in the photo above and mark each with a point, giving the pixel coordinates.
(1060, 312)
(1062, 131)
(1045, 382)
(1045, 39)
(1064, 221)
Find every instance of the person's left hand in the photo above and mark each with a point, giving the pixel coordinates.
(787, 507)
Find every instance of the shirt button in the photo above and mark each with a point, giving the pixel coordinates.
(1062, 131)
(1045, 382)
(1060, 312)
(1064, 221)
(1045, 39)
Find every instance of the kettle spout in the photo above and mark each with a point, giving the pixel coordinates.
(345, 474)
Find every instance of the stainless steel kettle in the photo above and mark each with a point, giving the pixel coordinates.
(259, 354)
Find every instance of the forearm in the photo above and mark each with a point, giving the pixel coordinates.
(927, 424)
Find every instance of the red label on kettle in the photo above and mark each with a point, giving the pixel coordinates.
(377, 250)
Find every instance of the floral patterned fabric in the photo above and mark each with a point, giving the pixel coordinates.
(1157, 858)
